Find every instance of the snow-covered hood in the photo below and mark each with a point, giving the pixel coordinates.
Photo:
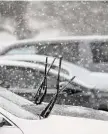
(57, 124)
(65, 125)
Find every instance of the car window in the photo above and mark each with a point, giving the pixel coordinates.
(20, 77)
(5, 120)
(69, 50)
(100, 52)
(22, 50)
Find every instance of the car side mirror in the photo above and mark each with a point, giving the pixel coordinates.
(2, 122)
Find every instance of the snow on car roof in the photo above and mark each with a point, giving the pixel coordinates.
(83, 76)
(72, 69)
(40, 59)
(16, 63)
(53, 39)
(64, 38)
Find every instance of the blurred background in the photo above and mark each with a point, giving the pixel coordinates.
(37, 19)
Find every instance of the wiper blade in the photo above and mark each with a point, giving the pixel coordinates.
(43, 87)
(45, 113)
(39, 97)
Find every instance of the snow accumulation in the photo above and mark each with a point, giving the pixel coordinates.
(51, 37)
(84, 77)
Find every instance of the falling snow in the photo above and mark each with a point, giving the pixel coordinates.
(66, 23)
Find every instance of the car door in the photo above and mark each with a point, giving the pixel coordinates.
(8, 127)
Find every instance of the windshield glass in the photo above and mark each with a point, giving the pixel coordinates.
(24, 79)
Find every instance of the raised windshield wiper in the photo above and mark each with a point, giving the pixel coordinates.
(42, 89)
(53, 100)
(45, 113)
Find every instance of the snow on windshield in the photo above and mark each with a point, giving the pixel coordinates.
(16, 110)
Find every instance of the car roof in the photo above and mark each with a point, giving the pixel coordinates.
(8, 62)
(63, 38)
(89, 80)
(18, 43)
(70, 67)
(83, 77)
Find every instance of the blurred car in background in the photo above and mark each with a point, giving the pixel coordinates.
(88, 51)
(84, 77)
(24, 77)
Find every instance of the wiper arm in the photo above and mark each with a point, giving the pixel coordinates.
(39, 97)
(45, 113)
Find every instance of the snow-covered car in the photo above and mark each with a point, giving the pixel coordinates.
(24, 79)
(87, 51)
(83, 78)
(20, 116)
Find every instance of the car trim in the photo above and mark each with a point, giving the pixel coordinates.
(11, 122)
